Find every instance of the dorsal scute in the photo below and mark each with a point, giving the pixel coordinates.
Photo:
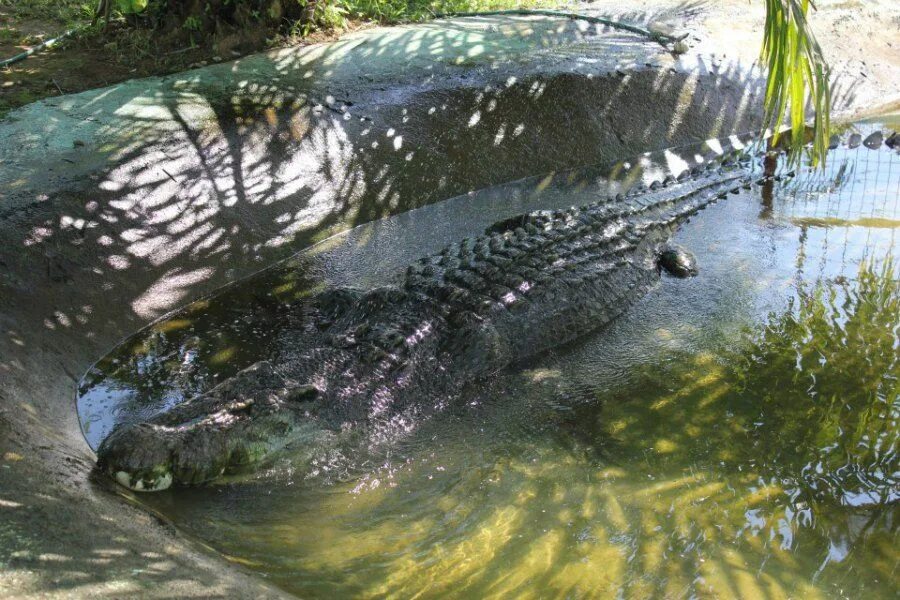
(534, 218)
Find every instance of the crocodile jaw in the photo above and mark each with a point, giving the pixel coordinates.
(139, 457)
(151, 457)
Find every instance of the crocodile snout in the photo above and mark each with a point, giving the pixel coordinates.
(237, 425)
(138, 457)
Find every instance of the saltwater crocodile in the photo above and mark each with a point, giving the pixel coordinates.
(396, 354)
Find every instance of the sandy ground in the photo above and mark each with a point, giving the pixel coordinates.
(123, 203)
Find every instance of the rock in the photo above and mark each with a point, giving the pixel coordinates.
(834, 142)
(873, 141)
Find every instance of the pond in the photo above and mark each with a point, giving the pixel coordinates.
(734, 434)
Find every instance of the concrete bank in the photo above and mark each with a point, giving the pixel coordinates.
(120, 204)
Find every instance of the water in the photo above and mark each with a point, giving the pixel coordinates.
(732, 435)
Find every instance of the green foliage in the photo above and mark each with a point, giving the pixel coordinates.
(396, 11)
(130, 7)
(68, 12)
(192, 23)
(326, 14)
(797, 68)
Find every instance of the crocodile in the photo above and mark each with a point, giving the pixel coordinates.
(397, 354)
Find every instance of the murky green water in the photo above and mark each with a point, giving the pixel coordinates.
(734, 435)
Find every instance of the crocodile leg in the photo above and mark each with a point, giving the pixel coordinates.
(676, 261)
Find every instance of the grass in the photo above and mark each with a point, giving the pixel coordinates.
(338, 13)
(64, 12)
(398, 11)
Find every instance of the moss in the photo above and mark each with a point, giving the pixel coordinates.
(16, 98)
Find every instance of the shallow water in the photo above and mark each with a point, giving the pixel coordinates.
(732, 435)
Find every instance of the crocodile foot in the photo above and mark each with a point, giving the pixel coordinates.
(677, 261)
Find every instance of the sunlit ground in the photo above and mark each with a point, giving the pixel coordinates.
(734, 435)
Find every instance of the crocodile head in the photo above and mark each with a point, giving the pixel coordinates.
(236, 425)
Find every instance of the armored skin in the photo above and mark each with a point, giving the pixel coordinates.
(398, 354)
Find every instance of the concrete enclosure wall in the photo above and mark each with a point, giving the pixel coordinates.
(121, 204)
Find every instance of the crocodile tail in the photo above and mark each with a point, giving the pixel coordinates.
(669, 214)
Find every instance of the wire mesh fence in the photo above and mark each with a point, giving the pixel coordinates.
(846, 213)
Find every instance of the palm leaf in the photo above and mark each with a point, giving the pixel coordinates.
(796, 66)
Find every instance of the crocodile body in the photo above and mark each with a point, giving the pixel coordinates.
(396, 354)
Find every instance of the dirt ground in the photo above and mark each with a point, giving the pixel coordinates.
(91, 58)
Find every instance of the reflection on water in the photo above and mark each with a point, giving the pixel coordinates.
(734, 435)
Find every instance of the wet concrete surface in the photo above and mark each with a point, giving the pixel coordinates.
(121, 204)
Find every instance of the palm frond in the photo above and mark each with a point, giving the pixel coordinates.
(796, 65)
